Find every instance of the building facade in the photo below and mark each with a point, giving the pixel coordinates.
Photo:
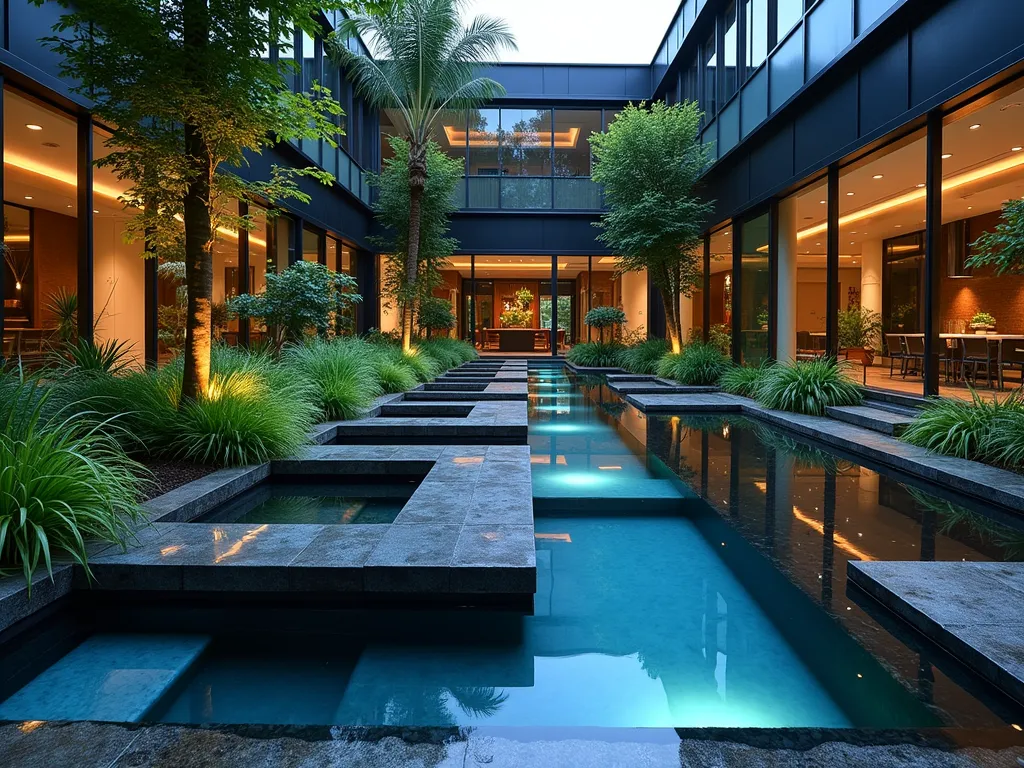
(860, 147)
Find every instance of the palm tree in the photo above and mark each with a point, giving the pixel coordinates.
(425, 64)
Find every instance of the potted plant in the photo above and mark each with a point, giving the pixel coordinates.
(983, 322)
(859, 330)
(762, 319)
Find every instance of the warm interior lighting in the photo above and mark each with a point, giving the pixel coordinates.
(524, 265)
(50, 172)
(33, 127)
(877, 176)
(16, 238)
(953, 182)
(563, 139)
(975, 127)
(947, 156)
(28, 197)
(840, 541)
(554, 537)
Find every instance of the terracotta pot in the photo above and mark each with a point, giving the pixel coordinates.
(862, 355)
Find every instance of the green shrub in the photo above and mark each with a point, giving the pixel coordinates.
(981, 429)
(594, 354)
(435, 314)
(83, 355)
(808, 386)
(342, 373)
(698, 364)
(63, 482)
(393, 374)
(423, 365)
(643, 358)
(666, 367)
(743, 379)
(451, 353)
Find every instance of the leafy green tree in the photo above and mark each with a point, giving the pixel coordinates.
(392, 212)
(305, 297)
(189, 90)
(424, 66)
(1003, 247)
(650, 161)
(435, 314)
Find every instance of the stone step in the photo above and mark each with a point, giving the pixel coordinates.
(885, 398)
(116, 678)
(876, 419)
(420, 395)
(455, 386)
(425, 409)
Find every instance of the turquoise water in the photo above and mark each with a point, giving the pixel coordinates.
(315, 504)
(723, 605)
(581, 445)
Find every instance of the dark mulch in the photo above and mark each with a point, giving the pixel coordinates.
(168, 475)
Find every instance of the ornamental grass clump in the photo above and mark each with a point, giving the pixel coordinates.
(392, 374)
(595, 354)
(986, 430)
(451, 353)
(643, 358)
(342, 373)
(63, 482)
(743, 380)
(808, 386)
(699, 364)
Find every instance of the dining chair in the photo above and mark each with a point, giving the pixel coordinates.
(914, 350)
(895, 349)
(1013, 357)
(976, 351)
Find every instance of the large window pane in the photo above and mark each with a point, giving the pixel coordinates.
(755, 285)
(525, 139)
(119, 272)
(756, 12)
(829, 30)
(720, 296)
(755, 101)
(869, 11)
(260, 262)
(789, 13)
(311, 245)
(881, 258)
(511, 291)
(41, 232)
(710, 63)
(787, 71)
(577, 194)
(730, 53)
(483, 193)
(483, 144)
(803, 291)
(572, 146)
(450, 134)
(983, 167)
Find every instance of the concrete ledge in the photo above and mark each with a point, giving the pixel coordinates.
(488, 423)
(875, 419)
(15, 603)
(973, 610)
(600, 370)
(467, 529)
(982, 481)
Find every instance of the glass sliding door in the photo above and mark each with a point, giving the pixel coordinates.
(755, 286)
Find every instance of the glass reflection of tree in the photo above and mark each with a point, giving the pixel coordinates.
(431, 705)
(960, 522)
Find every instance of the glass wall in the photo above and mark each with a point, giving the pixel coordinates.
(882, 262)
(40, 226)
(521, 159)
(227, 282)
(802, 320)
(754, 289)
(720, 294)
(311, 241)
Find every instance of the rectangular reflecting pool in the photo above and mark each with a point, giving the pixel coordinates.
(724, 605)
(316, 503)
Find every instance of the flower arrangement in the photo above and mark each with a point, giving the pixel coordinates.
(982, 322)
(517, 313)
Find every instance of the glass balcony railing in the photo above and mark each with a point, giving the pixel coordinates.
(528, 193)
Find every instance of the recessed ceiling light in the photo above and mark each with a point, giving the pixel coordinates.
(33, 127)
(849, 194)
(851, 242)
(969, 207)
(920, 185)
(95, 211)
(1015, 149)
(69, 205)
(817, 243)
(822, 202)
(28, 197)
(877, 176)
(899, 226)
(947, 156)
(976, 126)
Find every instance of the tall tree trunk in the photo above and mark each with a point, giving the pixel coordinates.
(196, 215)
(417, 182)
(673, 324)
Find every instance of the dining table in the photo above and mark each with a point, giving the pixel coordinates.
(998, 338)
